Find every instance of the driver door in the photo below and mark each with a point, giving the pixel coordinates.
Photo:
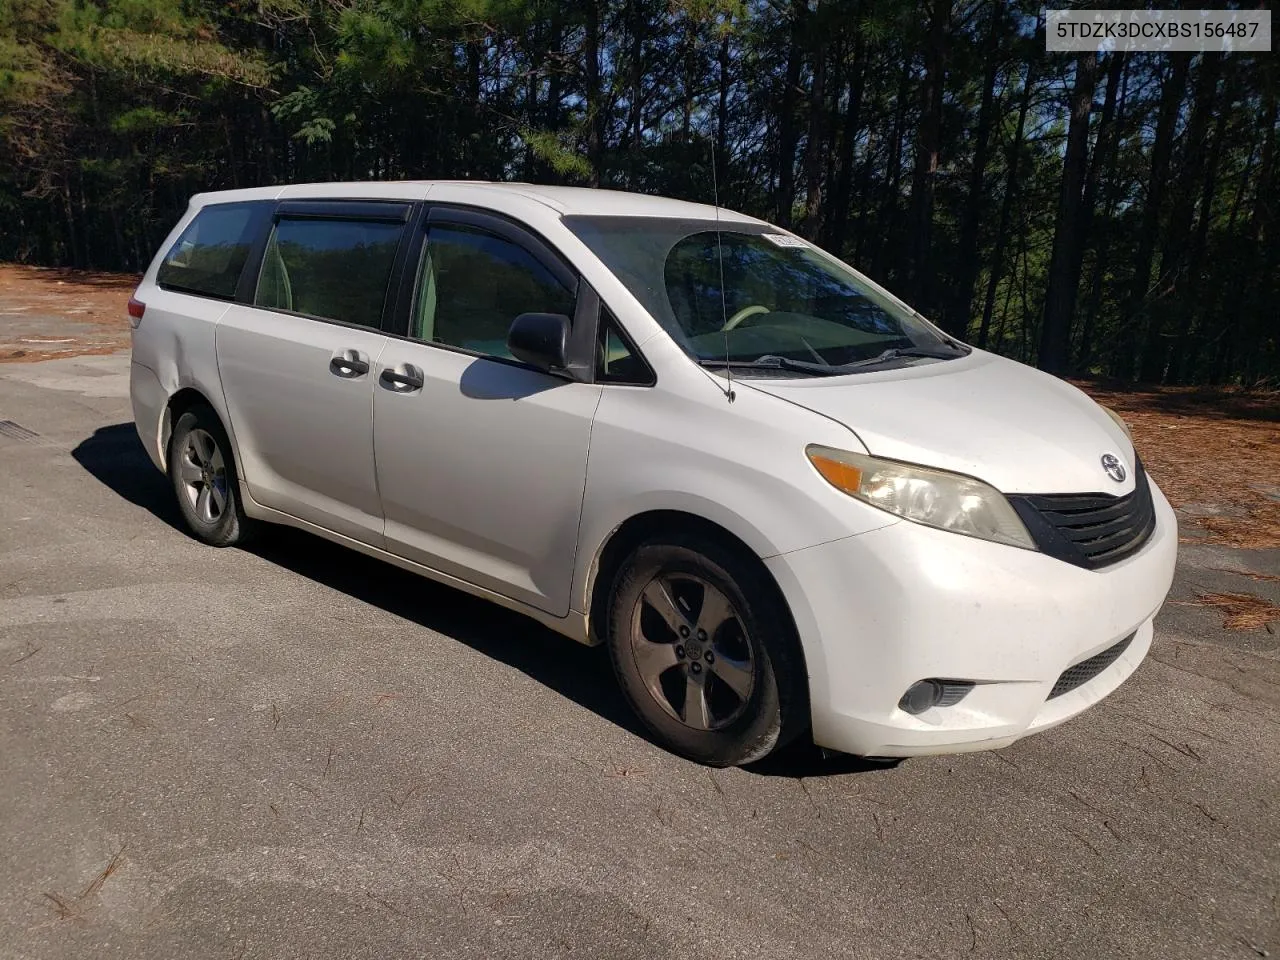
(481, 460)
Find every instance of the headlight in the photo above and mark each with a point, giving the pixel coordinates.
(936, 498)
(1119, 421)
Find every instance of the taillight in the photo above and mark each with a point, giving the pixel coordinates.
(136, 309)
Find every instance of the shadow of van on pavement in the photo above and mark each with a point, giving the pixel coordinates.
(114, 456)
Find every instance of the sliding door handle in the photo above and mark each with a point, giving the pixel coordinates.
(348, 364)
(402, 379)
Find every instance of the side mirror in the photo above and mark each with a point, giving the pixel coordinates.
(540, 340)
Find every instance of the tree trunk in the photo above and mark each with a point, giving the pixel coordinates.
(831, 111)
(1261, 302)
(1131, 320)
(1185, 355)
(926, 157)
(595, 109)
(552, 109)
(1102, 153)
(722, 109)
(1117, 67)
(885, 225)
(1024, 348)
(1013, 155)
(862, 191)
(473, 93)
(1102, 246)
(788, 130)
(533, 167)
(1064, 265)
(815, 145)
(1172, 302)
(690, 45)
(956, 317)
(837, 221)
(1221, 325)
(635, 119)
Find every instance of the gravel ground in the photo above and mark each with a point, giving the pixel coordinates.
(298, 752)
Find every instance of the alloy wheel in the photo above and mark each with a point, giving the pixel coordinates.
(692, 651)
(203, 472)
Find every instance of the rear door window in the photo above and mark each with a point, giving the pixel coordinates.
(211, 252)
(330, 269)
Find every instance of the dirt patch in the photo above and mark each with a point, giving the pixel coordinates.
(47, 312)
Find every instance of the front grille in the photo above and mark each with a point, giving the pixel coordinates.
(1084, 671)
(1090, 530)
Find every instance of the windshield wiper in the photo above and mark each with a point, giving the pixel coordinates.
(897, 353)
(772, 362)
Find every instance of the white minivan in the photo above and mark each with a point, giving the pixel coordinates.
(787, 503)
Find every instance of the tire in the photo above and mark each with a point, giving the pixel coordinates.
(745, 672)
(202, 471)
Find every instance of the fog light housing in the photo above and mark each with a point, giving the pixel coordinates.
(923, 694)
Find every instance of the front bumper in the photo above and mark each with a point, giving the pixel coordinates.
(879, 611)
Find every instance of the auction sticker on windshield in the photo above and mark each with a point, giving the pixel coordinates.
(784, 240)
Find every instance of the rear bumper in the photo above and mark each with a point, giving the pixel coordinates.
(150, 403)
(880, 611)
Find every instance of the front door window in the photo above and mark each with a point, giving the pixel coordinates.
(472, 284)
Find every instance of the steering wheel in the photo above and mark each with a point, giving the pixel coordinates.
(742, 314)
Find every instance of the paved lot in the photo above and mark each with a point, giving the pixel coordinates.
(298, 752)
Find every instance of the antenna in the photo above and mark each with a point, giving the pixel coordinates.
(724, 310)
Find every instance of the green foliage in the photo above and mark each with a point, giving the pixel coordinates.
(558, 151)
(152, 37)
(112, 112)
(142, 119)
(302, 107)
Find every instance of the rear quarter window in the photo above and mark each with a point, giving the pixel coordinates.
(208, 257)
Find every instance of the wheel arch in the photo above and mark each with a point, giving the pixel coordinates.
(651, 524)
(179, 403)
(654, 524)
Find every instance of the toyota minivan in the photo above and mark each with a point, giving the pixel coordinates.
(787, 502)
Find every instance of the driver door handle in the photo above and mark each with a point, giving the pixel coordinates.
(405, 378)
(349, 365)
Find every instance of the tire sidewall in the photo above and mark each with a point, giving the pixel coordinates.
(759, 729)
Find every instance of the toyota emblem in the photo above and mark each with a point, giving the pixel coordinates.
(1114, 468)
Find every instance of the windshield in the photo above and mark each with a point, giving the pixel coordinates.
(782, 297)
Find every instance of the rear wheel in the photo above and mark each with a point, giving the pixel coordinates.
(705, 651)
(203, 474)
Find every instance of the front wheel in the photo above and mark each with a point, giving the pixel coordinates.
(705, 651)
(203, 474)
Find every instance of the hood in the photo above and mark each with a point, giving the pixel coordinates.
(1018, 429)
